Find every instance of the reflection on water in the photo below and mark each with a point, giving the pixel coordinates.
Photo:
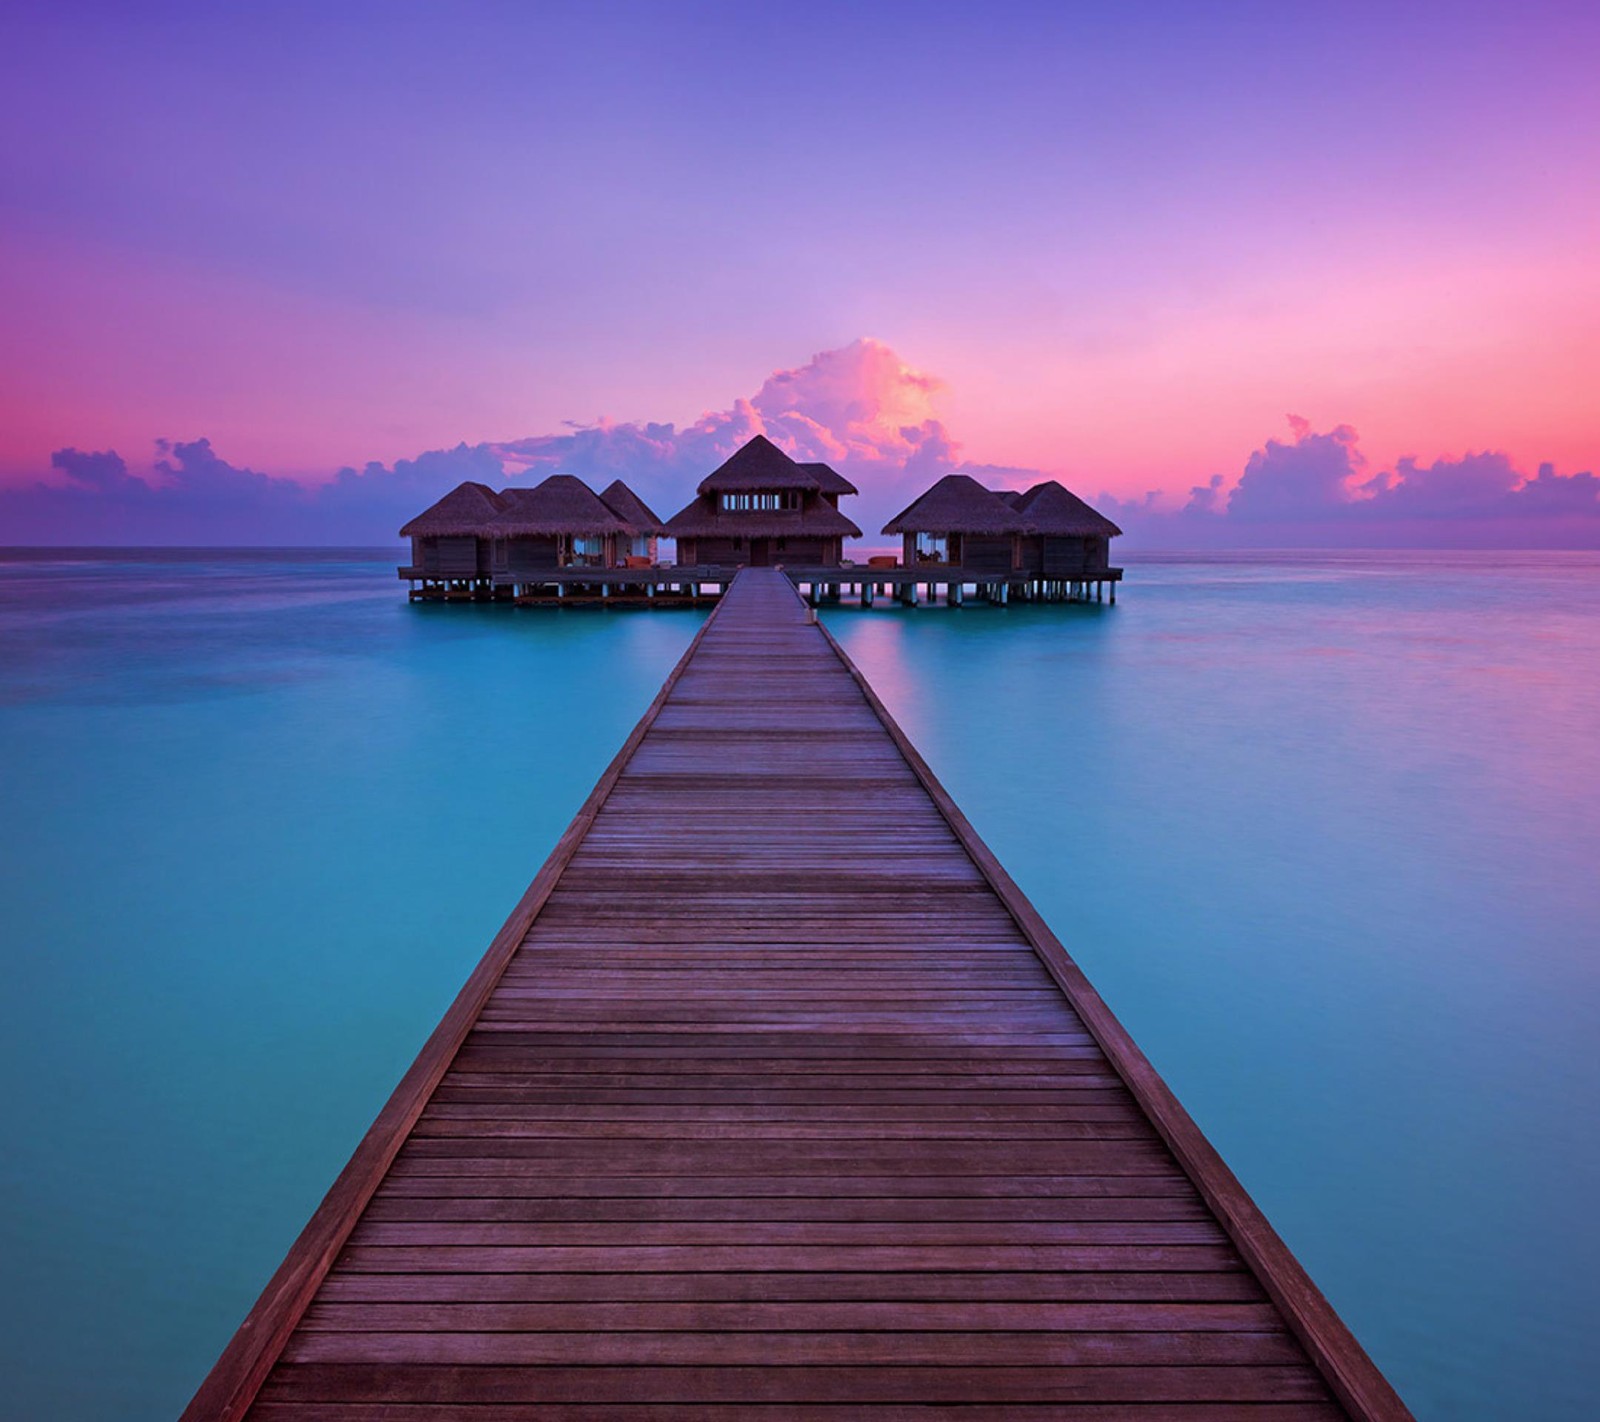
(1324, 832)
(1322, 829)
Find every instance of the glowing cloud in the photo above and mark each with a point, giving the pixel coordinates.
(859, 407)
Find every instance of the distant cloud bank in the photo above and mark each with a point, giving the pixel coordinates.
(1315, 490)
(860, 408)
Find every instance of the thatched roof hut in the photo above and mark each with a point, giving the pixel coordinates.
(1057, 512)
(459, 514)
(758, 464)
(958, 503)
(562, 504)
(759, 505)
(638, 519)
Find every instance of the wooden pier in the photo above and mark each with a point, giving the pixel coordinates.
(910, 586)
(775, 1099)
(667, 585)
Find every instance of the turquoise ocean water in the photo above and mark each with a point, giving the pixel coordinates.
(1323, 829)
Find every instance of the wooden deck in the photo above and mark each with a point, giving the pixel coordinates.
(698, 585)
(764, 1107)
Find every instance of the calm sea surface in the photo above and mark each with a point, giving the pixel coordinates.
(1325, 830)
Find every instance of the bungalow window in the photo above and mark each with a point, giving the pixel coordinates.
(583, 551)
(764, 503)
(933, 548)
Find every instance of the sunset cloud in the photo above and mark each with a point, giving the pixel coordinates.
(1315, 489)
(1291, 479)
(860, 408)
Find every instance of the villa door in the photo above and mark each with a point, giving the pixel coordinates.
(758, 552)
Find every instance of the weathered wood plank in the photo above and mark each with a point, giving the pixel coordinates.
(755, 1386)
(913, 1316)
(703, 1347)
(801, 1412)
(994, 1286)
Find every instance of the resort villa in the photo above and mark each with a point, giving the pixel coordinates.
(760, 508)
(476, 541)
(1046, 532)
(560, 541)
(446, 545)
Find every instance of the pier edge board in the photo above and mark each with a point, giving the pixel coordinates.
(231, 1386)
(1350, 1373)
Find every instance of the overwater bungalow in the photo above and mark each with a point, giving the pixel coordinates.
(960, 524)
(559, 523)
(560, 541)
(636, 545)
(1064, 537)
(480, 543)
(448, 548)
(1041, 544)
(760, 507)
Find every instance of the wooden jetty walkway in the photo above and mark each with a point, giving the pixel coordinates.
(775, 1099)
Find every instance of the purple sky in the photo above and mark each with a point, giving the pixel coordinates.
(1120, 245)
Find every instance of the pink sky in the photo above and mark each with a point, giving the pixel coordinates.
(1124, 249)
(1425, 360)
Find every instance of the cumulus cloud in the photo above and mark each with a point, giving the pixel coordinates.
(189, 495)
(1290, 479)
(1315, 490)
(103, 471)
(860, 408)
(1205, 498)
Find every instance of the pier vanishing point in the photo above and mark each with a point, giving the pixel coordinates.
(775, 1099)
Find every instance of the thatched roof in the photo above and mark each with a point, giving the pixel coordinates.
(561, 504)
(635, 514)
(703, 520)
(459, 514)
(1010, 495)
(758, 464)
(1057, 512)
(958, 503)
(829, 479)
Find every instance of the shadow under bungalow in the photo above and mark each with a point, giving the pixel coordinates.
(560, 542)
